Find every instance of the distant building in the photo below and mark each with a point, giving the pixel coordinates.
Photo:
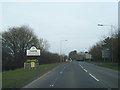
(80, 57)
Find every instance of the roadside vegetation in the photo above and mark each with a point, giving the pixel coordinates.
(110, 46)
(13, 78)
(16, 41)
(111, 59)
(109, 65)
(104, 53)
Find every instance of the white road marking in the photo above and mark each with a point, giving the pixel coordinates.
(61, 72)
(93, 77)
(89, 73)
(52, 85)
(80, 66)
(36, 80)
(85, 70)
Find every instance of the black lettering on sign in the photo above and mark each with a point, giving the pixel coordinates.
(33, 50)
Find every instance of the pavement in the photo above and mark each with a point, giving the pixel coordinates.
(77, 74)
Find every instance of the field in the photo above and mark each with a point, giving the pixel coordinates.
(13, 78)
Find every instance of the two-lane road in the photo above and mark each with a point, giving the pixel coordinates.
(77, 75)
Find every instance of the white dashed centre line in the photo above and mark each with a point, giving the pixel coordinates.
(52, 85)
(80, 66)
(85, 70)
(93, 77)
(62, 70)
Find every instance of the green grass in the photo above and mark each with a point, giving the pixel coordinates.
(113, 66)
(13, 78)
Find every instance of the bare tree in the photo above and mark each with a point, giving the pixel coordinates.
(43, 45)
(15, 42)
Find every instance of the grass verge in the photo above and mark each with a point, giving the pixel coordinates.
(13, 78)
(113, 66)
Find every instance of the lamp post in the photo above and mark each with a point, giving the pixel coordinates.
(112, 39)
(61, 49)
(112, 27)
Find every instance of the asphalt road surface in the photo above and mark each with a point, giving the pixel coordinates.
(77, 75)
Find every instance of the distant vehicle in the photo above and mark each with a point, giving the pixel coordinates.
(70, 59)
(66, 60)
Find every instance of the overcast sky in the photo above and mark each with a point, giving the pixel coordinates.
(56, 21)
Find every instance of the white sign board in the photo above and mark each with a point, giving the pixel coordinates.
(33, 51)
(88, 56)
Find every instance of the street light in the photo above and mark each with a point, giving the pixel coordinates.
(112, 27)
(100, 24)
(112, 39)
(61, 48)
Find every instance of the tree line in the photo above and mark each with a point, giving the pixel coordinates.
(15, 42)
(111, 44)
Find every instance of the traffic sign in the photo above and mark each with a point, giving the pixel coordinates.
(32, 64)
(33, 51)
(88, 56)
(105, 53)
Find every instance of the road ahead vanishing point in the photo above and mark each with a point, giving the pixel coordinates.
(77, 75)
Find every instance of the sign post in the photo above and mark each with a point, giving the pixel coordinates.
(32, 64)
(105, 54)
(88, 56)
(33, 51)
